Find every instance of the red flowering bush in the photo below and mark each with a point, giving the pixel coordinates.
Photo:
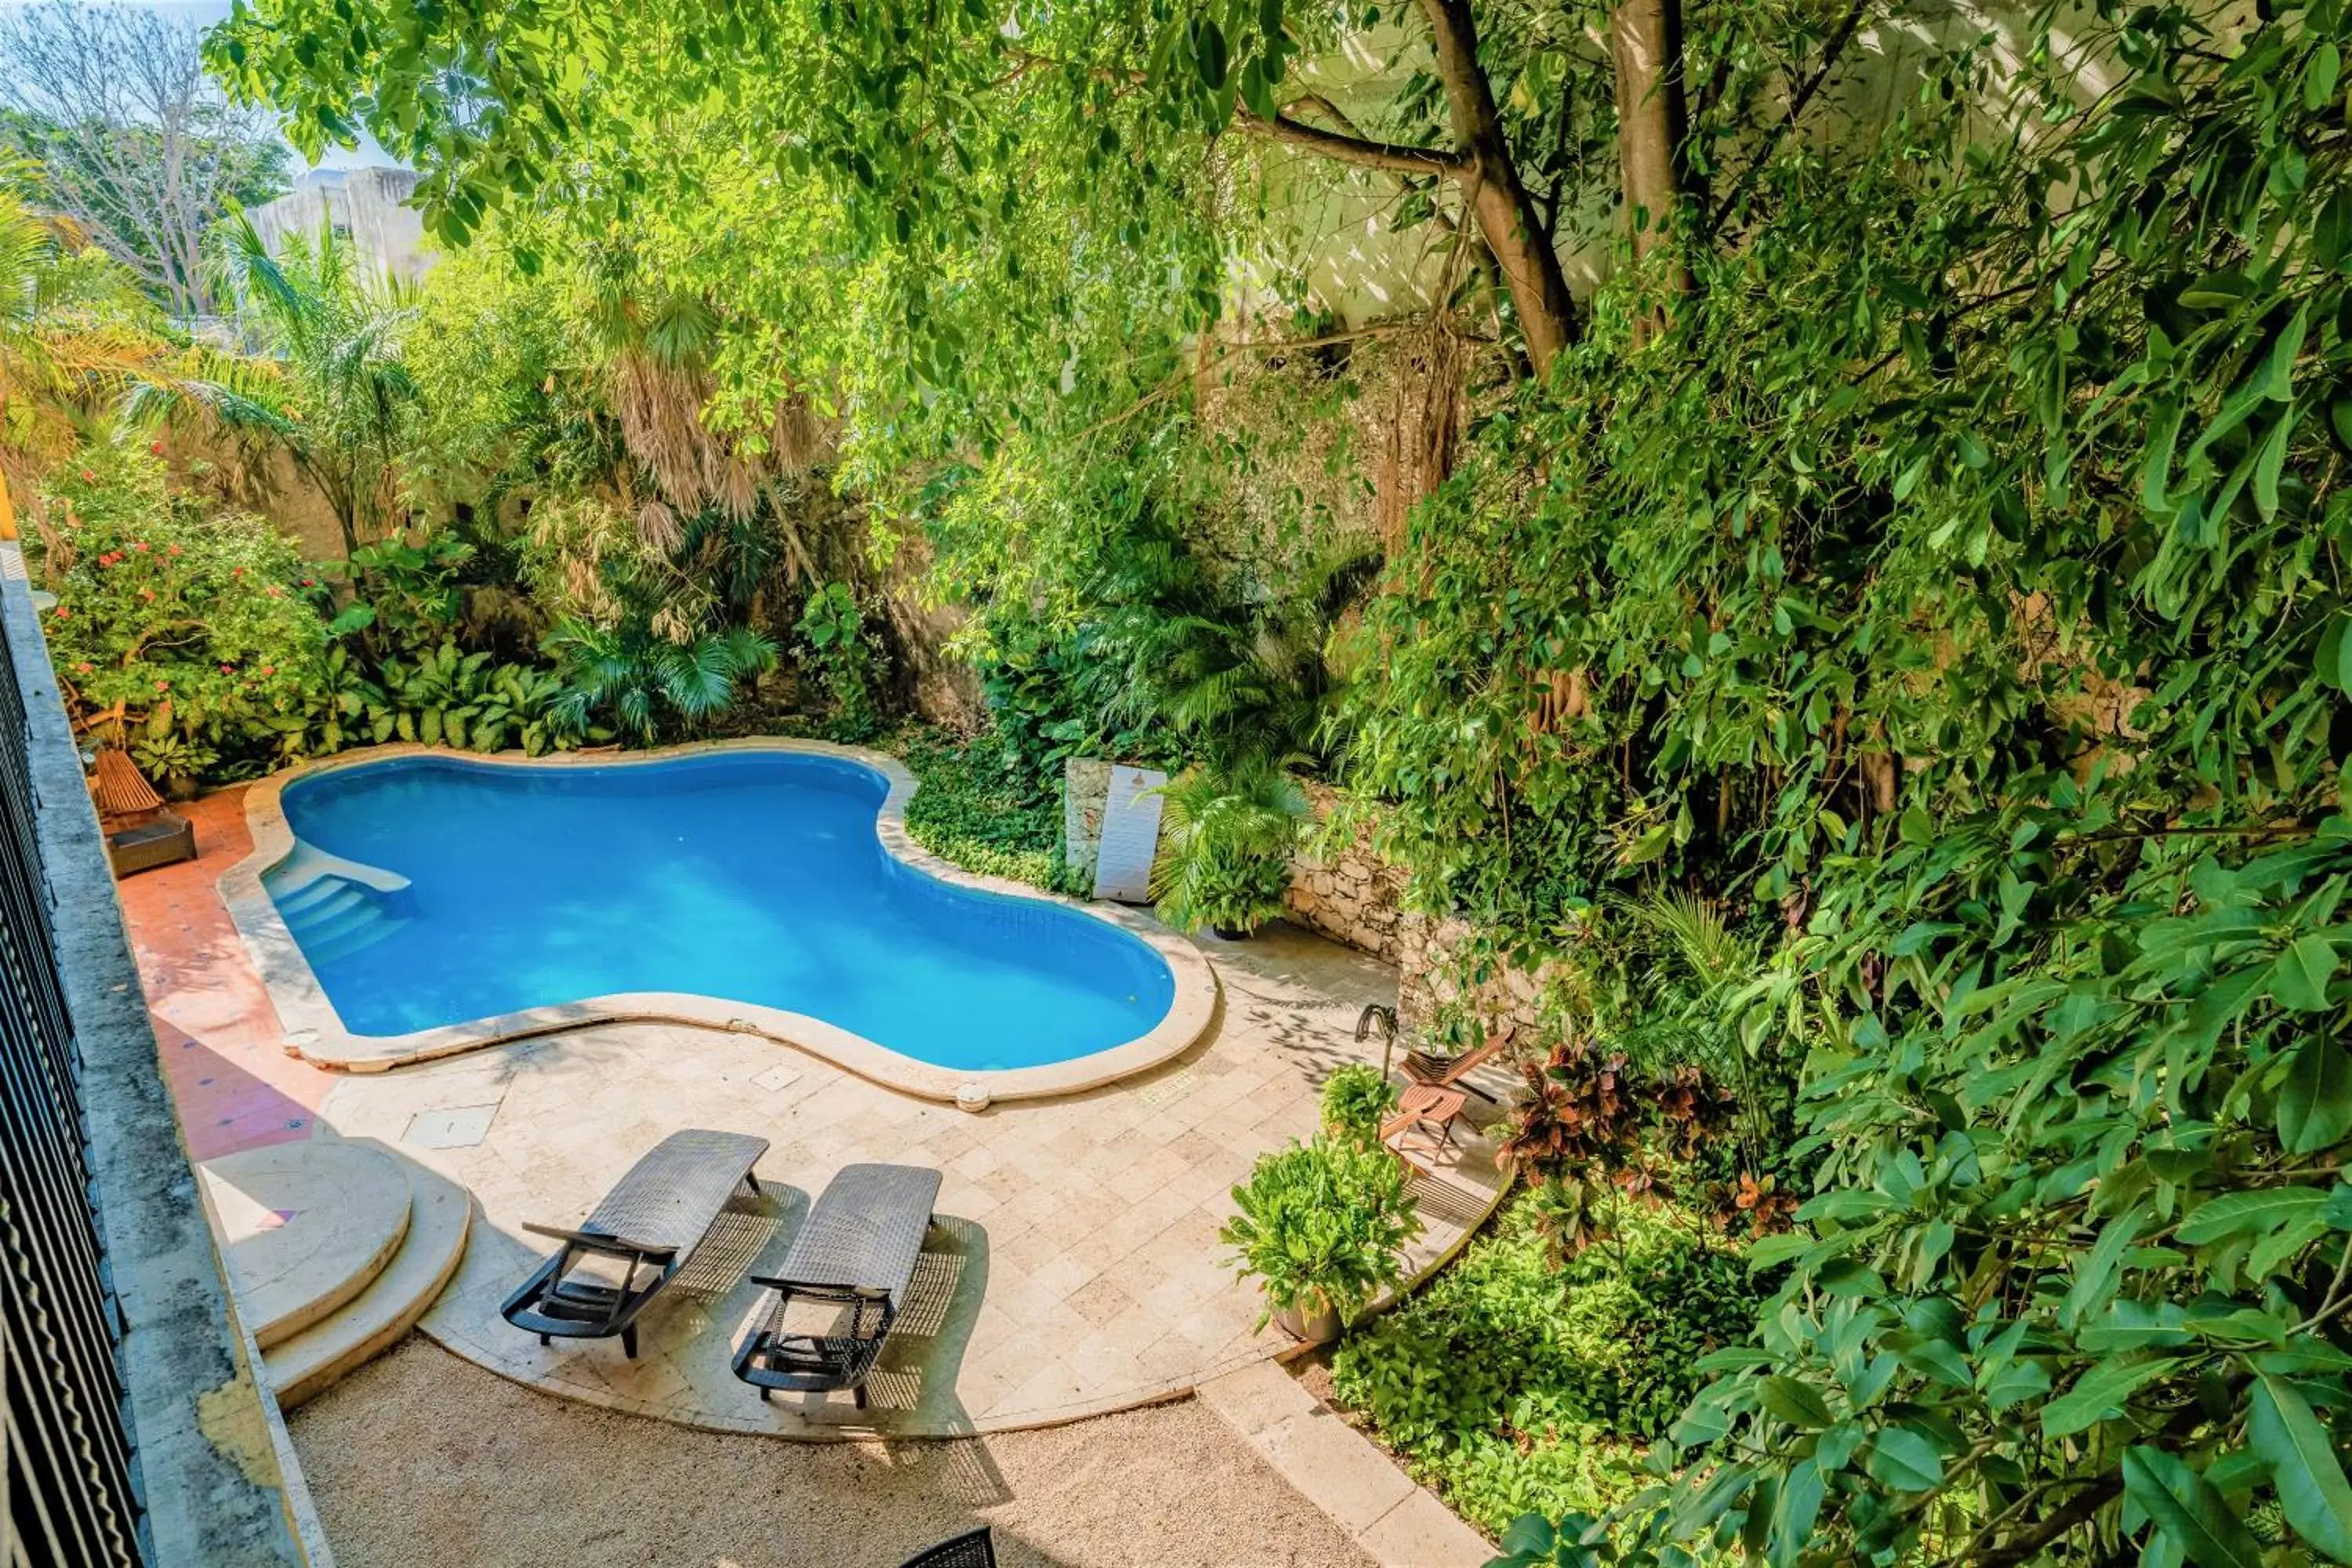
(159, 634)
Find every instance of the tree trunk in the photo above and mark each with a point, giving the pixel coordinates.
(1645, 46)
(1498, 199)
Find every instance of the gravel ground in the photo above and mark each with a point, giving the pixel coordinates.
(422, 1460)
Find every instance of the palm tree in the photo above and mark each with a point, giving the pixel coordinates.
(74, 332)
(340, 401)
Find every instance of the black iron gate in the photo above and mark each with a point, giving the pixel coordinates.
(70, 1476)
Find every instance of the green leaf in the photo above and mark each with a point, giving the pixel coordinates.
(2299, 979)
(2099, 1394)
(2264, 1209)
(2302, 1465)
(2187, 1510)
(1793, 1516)
(1796, 1403)
(1208, 54)
(2315, 1106)
(1904, 1461)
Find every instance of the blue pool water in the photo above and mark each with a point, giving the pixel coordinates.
(751, 876)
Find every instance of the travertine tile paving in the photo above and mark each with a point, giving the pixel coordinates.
(1075, 1269)
(222, 1047)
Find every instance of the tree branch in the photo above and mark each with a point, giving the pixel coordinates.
(1803, 100)
(1361, 150)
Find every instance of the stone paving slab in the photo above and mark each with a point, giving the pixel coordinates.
(1342, 1472)
(1076, 1270)
(304, 1227)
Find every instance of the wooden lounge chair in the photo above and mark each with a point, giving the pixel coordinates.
(972, 1549)
(652, 1221)
(1426, 1108)
(1442, 1072)
(141, 833)
(852, 1262)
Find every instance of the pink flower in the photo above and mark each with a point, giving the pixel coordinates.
(61, 612)
(88, 478)
(275, 592)
(140, 545)
(147, 594)
(268, 670)
(228, 670)
(171, 550)
(84, 668)
(162, 686)
(156, 447)
(236, 570)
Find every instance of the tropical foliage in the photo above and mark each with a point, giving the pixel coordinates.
(1875, 653)
(1322, 1226)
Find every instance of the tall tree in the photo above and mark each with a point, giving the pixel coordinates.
(135, 140)
(1645, 48)
(921, 115)
(342, 399)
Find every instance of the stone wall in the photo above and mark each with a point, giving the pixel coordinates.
(1346, 893)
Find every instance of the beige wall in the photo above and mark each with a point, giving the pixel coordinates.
(368, 205)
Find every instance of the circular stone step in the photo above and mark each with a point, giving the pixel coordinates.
(305, 1227)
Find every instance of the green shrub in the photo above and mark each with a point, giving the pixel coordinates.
(971, 807)
(186, 633)
(1516, 1385)
(1356, 1099)
(1322, 1225)
(1224, 856)
(835, 633)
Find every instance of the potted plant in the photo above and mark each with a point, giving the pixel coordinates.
(1322, 1226)
(1226, 846)
(1357, 1098)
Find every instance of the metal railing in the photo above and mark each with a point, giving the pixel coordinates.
(72, 1497)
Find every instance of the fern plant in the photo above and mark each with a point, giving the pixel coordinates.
(644, 681)
(1225, 844)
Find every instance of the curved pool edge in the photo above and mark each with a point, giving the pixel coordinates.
(315, 1031)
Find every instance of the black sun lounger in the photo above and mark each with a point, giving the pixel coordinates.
(857, 1253)
(975, 1550)
(652, 1220)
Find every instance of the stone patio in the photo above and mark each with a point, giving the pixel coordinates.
(1076, 1270)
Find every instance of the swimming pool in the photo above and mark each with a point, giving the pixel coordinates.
(430, 889)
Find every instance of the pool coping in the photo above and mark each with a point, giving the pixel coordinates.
(315, 1031)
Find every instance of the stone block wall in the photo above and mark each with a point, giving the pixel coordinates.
(1346, 893)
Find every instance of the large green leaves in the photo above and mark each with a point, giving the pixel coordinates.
(2304, 1465)
(2186, 1509)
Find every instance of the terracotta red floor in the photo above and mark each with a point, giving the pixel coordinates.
(223, 1048)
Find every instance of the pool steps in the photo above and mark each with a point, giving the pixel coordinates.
(335, 907)
(336, 1247)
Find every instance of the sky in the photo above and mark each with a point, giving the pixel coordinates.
(203, 13)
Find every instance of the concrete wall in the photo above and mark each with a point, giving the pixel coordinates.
(218, 1477)
(368, 207)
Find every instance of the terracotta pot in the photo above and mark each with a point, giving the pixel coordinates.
(1316, 1328)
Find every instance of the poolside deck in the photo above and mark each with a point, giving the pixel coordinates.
(1076, 1269)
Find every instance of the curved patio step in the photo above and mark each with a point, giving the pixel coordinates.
(391, 1305)
(305, 1227)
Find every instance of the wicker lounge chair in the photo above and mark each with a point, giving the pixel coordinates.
(141, 833)
(852, 1260)
(652, 1220)
(973, 1550)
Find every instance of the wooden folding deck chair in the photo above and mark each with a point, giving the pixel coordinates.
(142, 832)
